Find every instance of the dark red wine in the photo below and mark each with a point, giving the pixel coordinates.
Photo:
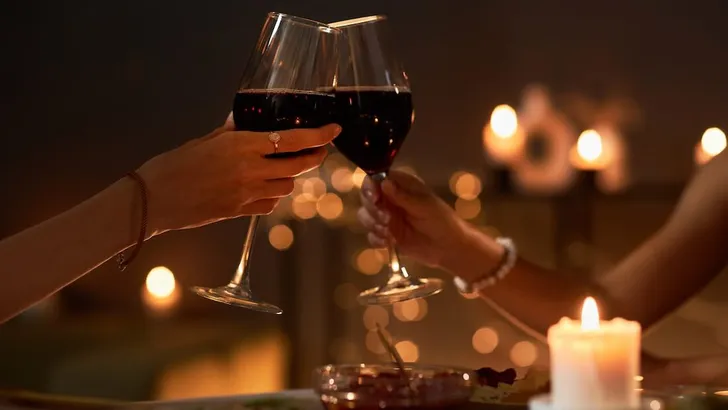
(281, 109)
(375, 122)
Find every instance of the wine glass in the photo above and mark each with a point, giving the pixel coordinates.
(374, 109)
(287, 83)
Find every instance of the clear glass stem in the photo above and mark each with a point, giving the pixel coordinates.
(395, 267)
(242, 274)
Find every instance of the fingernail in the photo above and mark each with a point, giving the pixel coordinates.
(370, 194)
(337, 130)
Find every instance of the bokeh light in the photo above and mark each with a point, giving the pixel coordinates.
(160, 294)
(329, 206)
(313, 188)
(467, 186)
(485, 340)
(504, 121)
(160, 282)
(374, 315)
(357, 177)
(369, 261)
(524, 354)
(408, 350)
(410, 310)
(280, 237)
(303, 208)
(341, 179)
(589, 145)
(467, 209)
(713, 141)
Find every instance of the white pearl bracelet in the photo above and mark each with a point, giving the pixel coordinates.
(508, 261)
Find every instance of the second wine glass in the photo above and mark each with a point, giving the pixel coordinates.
(287, 84)
(374, 108)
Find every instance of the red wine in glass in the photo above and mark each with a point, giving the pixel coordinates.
(375, 121)
(277, 110)
(294, 60)
(374, 110)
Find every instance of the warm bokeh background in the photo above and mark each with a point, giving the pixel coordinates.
(92, 89)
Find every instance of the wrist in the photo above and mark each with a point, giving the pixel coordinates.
(475, 253)
(158, 213)
(125, 193)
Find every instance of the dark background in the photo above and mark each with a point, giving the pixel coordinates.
(90, 90)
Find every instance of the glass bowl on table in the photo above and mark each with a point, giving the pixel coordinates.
(690, 397)
(378, 386)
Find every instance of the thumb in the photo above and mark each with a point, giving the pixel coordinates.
(229, 124)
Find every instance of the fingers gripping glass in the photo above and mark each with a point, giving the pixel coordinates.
(286, 84)
(374, 109)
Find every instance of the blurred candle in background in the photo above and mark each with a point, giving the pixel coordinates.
(711, 144)
(502, 137)
(588, 153)
(160, 293)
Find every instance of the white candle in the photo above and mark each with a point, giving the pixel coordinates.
(594, 364)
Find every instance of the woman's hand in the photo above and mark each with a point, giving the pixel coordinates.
(407, 211)
(226, 174)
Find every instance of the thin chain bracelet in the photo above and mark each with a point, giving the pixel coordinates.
(122, 261)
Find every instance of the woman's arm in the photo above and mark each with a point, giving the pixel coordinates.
(223, 175)
(41, 260)
(670, 267)
(674, 264)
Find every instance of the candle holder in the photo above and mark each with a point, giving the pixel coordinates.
(691, 397)
(502, 180)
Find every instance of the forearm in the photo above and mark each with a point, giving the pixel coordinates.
(673, 265)
(531, 297)
(41, 260)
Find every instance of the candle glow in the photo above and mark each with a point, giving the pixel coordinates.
(503, 139)
(594, 363)
(590, 315)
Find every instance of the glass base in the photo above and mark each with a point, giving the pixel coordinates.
(235, 296)
(399, 289)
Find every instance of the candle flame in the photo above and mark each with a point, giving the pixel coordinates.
(589, 146)
(590, 315)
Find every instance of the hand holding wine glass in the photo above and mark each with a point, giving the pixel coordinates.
(227, 161)
(287, 84)
(374, 108)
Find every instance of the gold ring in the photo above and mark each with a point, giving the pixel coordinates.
(274, 138)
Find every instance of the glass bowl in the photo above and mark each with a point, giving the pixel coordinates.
(379, 386)
(691, 397)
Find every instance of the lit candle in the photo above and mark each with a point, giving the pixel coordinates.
(160, 293)
(712, 143)
(594, 364)
(588, 153)
(503, 139)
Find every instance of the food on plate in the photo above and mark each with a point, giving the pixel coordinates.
(505, 386)
(365, 387)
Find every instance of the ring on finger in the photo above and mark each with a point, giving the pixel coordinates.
(275, 139)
